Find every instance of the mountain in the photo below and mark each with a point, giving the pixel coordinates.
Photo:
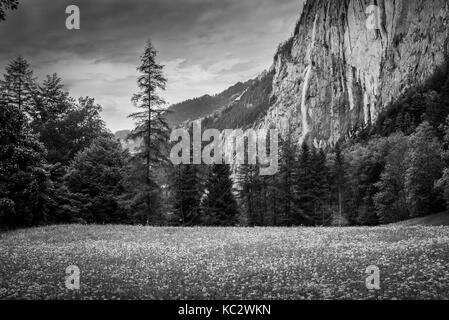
(199, 107)
(335, 74)
(252, 105)
(345, 64)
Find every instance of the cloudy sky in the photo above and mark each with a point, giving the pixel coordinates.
(205, 45)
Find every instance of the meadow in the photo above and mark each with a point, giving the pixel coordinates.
(130, 262)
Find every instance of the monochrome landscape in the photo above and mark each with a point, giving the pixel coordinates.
(224, 150)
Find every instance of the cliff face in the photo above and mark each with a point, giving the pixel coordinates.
(338, 72)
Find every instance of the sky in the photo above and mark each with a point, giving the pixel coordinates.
(205, 45)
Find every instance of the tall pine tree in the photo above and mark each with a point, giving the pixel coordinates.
(285, 185)
(19, 86)
(304, 197)
(23, 178)
(249, 186)
(320, 188)
(151, 125)
(187, 193)
(337, 173)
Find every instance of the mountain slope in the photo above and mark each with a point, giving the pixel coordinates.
(336, 74)
(200, 107)
(249, 107)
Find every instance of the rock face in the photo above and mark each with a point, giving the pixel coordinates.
(348, 59)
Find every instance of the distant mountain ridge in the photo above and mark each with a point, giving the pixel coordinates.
(250, 107)
(197, 108)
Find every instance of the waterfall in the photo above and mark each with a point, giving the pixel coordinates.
(305, 88)
(304, 108)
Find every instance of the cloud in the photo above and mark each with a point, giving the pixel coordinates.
(206, 45)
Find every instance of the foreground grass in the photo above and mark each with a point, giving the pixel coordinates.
(123, 262)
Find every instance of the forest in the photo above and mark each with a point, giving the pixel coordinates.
(59, 164)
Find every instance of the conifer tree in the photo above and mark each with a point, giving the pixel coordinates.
(19, 86)
(274, 203)
(150, 122)
(337, 173)
(320, 187)
(23, 178)
(219, 207)
(53, 101)
(187, 193)
(286, 179)
(253, 194)
(246, 176)
(58, 122)
(304, 197)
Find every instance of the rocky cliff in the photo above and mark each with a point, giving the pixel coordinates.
(348, 59)
(346, 62)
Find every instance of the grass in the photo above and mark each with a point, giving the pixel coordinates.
(126, 262)
(441, 219)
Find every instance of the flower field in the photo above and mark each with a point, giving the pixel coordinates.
(125, 262)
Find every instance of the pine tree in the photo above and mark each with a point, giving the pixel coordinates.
(23, 177)
(57, 121)
(19, 86)
(263, 213)
(187, 193)
(273, 198)
(137, 191)
(338, 181)
(52, 101)
(286, 180)
(151, 123)
(249, 186)
(320, 187)
(304, 197)
(219, 207)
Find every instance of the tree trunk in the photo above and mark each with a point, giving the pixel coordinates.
(340, 213)
(149, 146)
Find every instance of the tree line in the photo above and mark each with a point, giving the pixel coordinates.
(59, 164)
(381, 180)
(392, 170)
